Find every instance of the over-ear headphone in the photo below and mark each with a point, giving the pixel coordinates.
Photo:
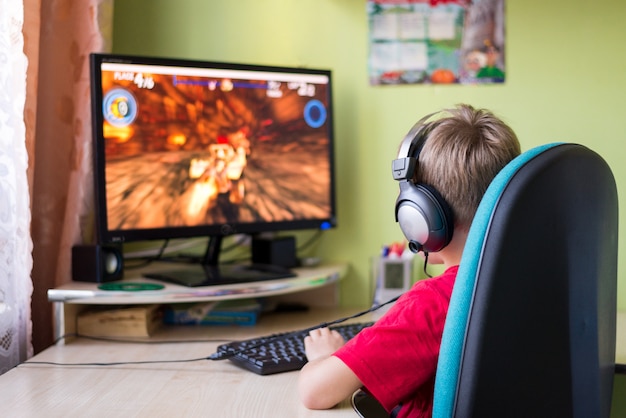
(425, 218)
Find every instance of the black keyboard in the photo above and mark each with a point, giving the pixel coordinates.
(278, 353)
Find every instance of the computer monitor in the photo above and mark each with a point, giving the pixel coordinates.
(187, 148)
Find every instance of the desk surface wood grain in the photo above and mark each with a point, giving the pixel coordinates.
(178, 389)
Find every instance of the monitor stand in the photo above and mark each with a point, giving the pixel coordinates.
(211, 273)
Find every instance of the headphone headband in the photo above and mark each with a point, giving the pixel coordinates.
(404, 166)
(408, 143)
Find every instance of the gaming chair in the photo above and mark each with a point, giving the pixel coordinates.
(530, 331)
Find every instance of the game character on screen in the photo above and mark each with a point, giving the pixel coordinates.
(445, 163)
(221, 173)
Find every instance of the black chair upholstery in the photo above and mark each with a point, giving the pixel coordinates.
(531, 327)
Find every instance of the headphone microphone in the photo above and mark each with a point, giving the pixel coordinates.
(425, 218)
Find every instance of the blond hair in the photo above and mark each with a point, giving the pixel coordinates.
(465, 149)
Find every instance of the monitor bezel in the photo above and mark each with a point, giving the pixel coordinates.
(106, 235)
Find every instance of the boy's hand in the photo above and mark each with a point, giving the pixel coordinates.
(321, 343)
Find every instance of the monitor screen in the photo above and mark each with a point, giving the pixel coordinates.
(187, 148)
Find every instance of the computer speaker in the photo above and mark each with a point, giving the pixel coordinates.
(97, 263)
(279, 251)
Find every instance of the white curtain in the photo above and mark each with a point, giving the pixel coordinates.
(15, 240)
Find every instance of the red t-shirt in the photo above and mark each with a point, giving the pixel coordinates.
(396, 359)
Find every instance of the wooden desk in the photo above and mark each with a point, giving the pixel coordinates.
(202, 388)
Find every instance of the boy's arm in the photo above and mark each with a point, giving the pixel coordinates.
(325, 380)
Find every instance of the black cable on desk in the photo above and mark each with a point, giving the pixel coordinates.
(127, 341)
(116, 363)
(140, 341)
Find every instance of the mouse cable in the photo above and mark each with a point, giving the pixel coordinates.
(224, 355)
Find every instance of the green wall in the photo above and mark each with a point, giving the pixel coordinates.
(565, 76)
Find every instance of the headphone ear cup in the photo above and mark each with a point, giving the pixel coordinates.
(424, 217)
(413, 224)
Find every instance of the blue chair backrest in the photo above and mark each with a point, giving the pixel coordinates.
(531, 326)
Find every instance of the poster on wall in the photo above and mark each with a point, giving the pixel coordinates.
(436, 41)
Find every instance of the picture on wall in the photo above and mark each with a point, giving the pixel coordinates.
(436, 41)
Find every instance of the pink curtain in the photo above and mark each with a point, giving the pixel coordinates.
(59, 35)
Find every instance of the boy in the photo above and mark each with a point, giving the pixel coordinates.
(395, 360)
